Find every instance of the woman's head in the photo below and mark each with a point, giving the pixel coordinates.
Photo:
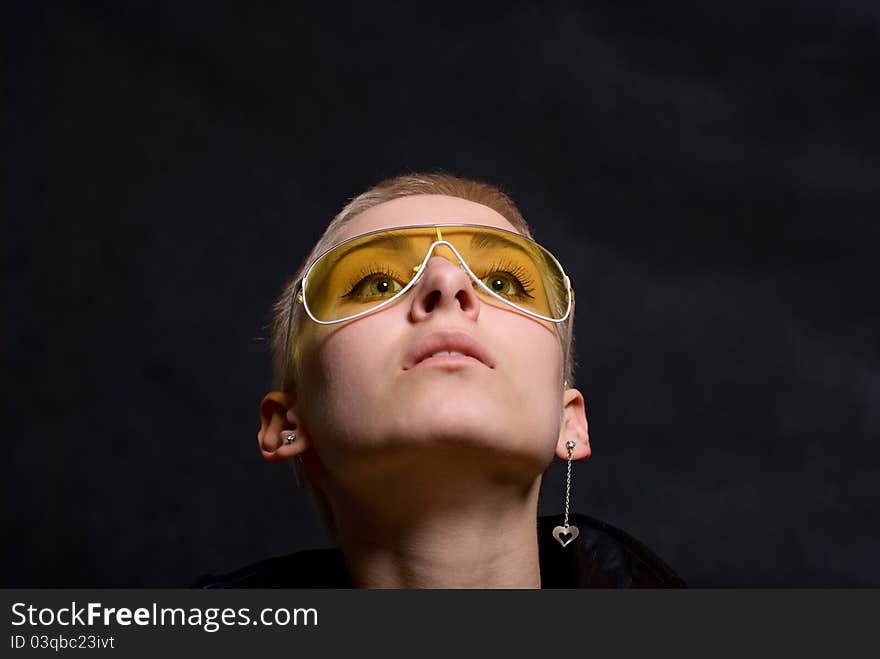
(366, 409)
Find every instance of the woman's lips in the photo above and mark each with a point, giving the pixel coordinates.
(436, 348)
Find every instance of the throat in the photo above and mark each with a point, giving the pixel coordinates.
(444, 548)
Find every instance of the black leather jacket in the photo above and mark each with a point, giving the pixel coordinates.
(601, 557)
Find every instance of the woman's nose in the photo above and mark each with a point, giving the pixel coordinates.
(444, 287)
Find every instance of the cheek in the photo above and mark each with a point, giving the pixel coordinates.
(340, 380)
(534, 373)
(535, 352)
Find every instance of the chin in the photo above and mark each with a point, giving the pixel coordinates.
(465, 419)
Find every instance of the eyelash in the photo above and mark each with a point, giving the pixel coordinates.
(518, 272)
(371, 271)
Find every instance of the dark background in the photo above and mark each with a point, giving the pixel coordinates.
(707, 172)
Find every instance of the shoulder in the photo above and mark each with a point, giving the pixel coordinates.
(602, 556)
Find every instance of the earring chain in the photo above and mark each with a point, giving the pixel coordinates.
(568, 483)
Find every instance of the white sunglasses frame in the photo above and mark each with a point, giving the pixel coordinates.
(300, 290)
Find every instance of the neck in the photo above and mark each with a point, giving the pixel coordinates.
(453, 530)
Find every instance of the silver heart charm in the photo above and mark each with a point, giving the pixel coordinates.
(565, 530)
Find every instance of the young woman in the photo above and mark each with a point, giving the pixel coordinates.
(423, 386)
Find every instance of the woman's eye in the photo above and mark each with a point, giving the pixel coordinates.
(503, 284)
(376, 286)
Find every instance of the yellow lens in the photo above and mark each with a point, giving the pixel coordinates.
(366, 271)
(362, 273)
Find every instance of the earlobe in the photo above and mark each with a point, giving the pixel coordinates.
(574, 427)
(281, 436)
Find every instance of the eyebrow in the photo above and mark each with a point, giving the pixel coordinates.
(388, 241)
(486, 239)
(396, 241)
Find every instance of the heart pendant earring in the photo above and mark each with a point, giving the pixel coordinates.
(565, 534)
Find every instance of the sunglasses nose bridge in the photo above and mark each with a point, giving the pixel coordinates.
(437, 249)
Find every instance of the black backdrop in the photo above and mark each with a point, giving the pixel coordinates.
(708, 173)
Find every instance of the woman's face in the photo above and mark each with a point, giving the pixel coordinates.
(361, 392)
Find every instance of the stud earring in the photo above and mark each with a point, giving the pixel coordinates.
(565, 534)
(290, 438)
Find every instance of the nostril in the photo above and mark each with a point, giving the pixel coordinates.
(431, 300)
(465, 299)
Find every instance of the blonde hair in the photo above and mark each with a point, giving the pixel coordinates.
(287, 314)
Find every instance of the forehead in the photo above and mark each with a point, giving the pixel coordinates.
(423, 209)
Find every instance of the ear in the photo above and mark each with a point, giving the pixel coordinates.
(574, 426)
(278, 419)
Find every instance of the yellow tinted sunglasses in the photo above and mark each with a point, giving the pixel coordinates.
(371, 271)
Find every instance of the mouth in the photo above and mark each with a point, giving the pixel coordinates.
(449, 359)
(451, 348)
